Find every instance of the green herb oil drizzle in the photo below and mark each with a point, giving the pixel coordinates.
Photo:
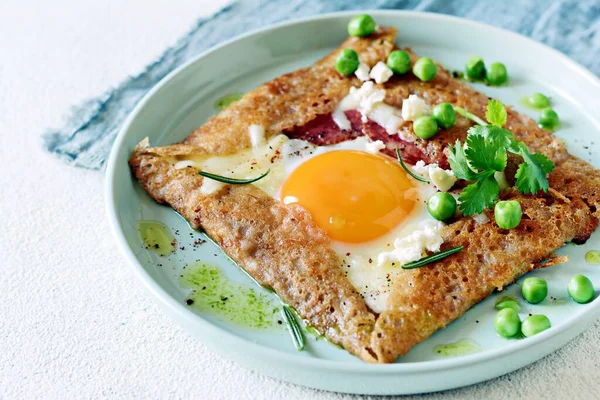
(157, 237)
(459, 348)
(592, 257)
(212, 292)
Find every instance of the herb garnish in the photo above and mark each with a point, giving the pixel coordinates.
(232, 181)
(408, 171)
(432, 258)
(295, 330)
(485, 152)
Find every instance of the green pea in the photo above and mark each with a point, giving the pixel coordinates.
(548, 119)
(496, 74)
(399, 62)
(425, 127)
(508, 214)
(538, 100)
(534, 290)
(444, 114)
(227, 100)
(441, 206)
(346, 62)
(507, 302)
(507, 323)
(581, 289)
(474, 68)
(534, 324)
(425, 69)
(361, 25)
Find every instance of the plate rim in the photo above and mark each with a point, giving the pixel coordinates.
(174, 307)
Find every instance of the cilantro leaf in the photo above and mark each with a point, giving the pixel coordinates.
(485, 154)
(495, 113)
(458, 162)
(501, 137)
(517, 147)
(532, 172)
(479, 195)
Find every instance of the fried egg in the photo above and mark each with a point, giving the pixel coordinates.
(363, 199)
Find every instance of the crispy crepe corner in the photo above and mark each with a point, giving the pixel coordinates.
(427, 299)
(281, 247)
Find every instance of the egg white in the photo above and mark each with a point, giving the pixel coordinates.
(359, 260)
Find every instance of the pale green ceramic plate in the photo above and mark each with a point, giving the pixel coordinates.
(185, 99)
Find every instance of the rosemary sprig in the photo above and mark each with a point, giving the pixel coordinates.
(470, 116)
(295, 330)
(432, 258)
(408, 171)
(232, 181)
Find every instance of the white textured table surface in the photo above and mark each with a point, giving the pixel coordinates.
(73, 321)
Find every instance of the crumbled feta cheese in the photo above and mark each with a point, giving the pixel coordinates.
(210, 186)
(481, 218)
(443, 179)
(381, 73)
(340, 119)
(361, 99)
(290, 199)
(374, 147)
(501, 179)
(368, 100)
(184, 164)
(386, 116)
(362, 72)
(414, 107)
(412, 247)
(257, 135)
(367, 97)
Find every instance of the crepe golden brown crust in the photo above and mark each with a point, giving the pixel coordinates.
(280, 246)
(289, 100)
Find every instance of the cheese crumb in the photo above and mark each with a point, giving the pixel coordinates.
(443, 179)
(362, 72)
(257, 135)
(414, 107)
(381, 73)
(340, 119)
(374, 147)
(481, 218)
(368, 100)
(367, 97)
(386, 116)
(210, 186)
(411, 248)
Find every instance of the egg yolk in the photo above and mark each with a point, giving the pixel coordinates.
(353, 195)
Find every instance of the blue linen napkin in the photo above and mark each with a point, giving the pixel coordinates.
(86, 137)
